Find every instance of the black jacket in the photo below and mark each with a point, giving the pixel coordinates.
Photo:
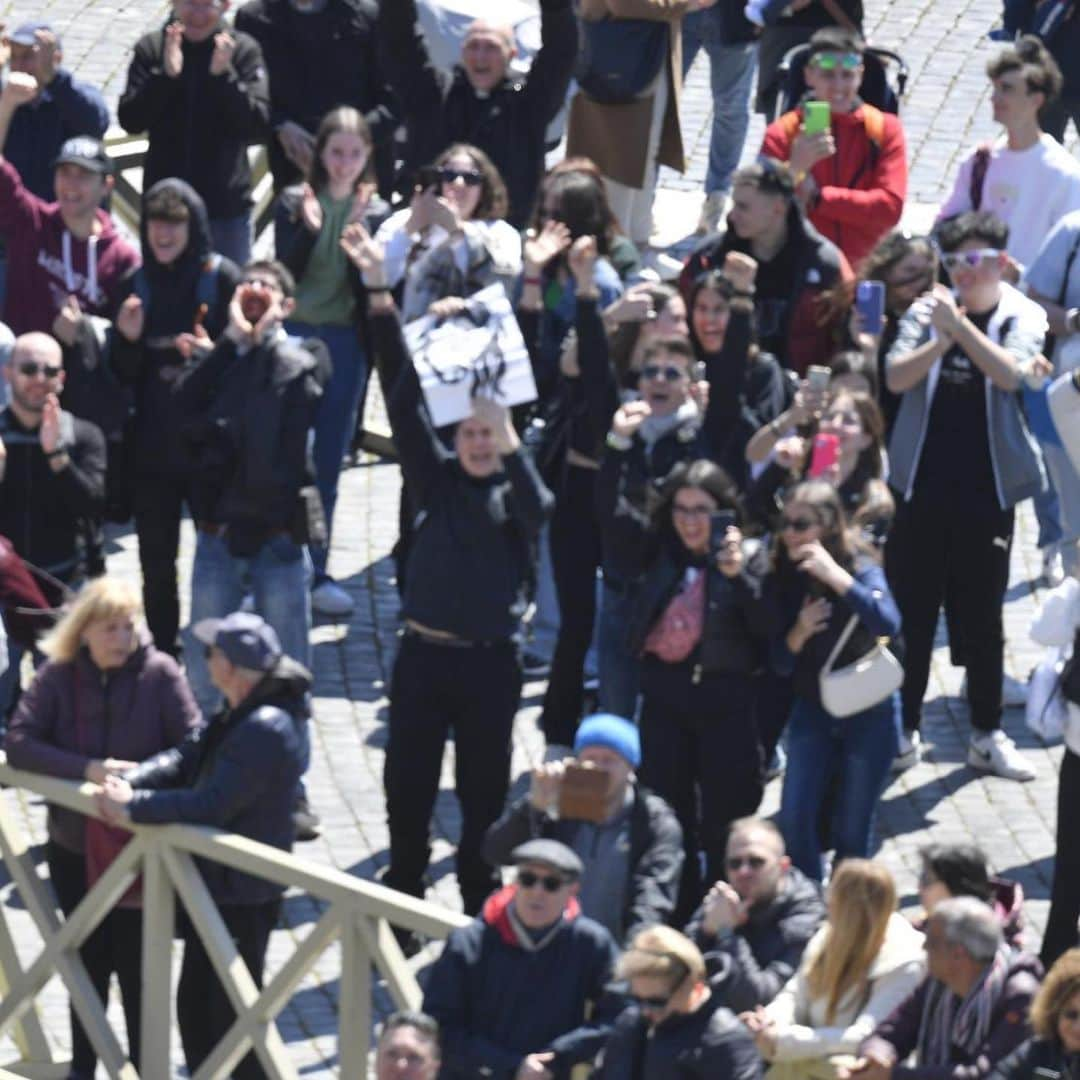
(709, 1044)
(508, 124)
(496, 1001)
(738, 621)
(1047, 1055)
(200, 125)
(749, 966)
(247, 419)
(239, 773)
(171, 296)
(656, 852)
(43, 512)
(318, 61)
(471, 558)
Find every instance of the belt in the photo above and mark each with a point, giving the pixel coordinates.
(452, 642)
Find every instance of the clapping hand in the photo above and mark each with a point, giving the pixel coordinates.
(365, 254)
(723, 909)
(49, 432)
(172, 55)
(68, 319)
(542, 247)
(221, 58)
(946, 315)
(311, 210)
(582, 260)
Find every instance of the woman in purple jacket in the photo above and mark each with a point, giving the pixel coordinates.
(105, 700)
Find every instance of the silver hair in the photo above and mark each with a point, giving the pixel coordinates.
(971, 924)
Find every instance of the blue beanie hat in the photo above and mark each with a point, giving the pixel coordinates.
(607, 729)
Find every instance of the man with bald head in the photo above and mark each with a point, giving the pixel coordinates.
(52, 472)
(481, 101)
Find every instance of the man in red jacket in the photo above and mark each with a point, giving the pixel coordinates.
(852, 178)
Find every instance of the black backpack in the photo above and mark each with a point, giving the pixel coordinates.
(619, 58)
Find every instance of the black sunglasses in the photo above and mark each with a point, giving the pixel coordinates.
(651, 1004)
(30, 369)
(668, 371)
(552, 883)
(798, 524)
(737, 862)
(470, 177)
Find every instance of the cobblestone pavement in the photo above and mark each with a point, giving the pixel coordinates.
(946, 111)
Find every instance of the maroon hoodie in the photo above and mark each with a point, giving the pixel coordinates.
(46, 263)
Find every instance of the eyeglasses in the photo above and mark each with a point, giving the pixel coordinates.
(552, 883)
(971, 259)
(737, 862)
(668, 372)
(691, 511)
(799, 525)
(651, 1004)
(832, 61)
(470, 177)
(30, 369)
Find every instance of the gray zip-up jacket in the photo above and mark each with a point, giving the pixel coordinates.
(1019, 326)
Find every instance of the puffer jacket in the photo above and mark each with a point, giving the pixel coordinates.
(1038, 1057)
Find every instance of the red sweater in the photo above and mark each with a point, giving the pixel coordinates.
(40, 276)
(862, 191)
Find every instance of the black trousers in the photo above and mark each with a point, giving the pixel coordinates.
(159, 507)
(575, 557)
(116, 945)
(436, 689)
(1061, 932)
(1057, 114)
(203, 1010)
(700, 751)
(957, 556)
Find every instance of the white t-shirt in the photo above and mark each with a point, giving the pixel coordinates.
(1030, 190)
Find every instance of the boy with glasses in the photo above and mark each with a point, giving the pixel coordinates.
(519, 993)
(677, 1025)
(961, 458)
(851, 176)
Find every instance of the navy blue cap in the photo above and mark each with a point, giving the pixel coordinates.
(246, 639)
(26, 33)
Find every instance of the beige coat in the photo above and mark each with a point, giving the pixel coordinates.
(616, 136)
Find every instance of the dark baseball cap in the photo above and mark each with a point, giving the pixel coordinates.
(86, 151)
(26, 33)
(551, 853)
(247, 640)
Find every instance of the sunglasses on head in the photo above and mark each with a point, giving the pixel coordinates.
(470, 177)
(29, 368)
(832, 61)
(971, 259)
(667, 371)
(737, 862)
(529, 879)
(799, 524)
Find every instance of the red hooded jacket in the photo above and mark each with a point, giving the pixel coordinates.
(862, 187)
(46, 263)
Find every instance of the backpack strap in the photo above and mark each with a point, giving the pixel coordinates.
(979, 167)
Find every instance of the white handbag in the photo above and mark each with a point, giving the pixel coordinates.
(859, 686)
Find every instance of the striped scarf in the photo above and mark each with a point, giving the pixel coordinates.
(949, 1022)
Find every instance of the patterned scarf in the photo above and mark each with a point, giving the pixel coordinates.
(951, 1022)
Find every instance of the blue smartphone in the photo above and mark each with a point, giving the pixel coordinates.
(870, 304)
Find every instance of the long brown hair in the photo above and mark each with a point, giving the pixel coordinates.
(343, 120)
(581, 191)
(494, 203)
(862, 897)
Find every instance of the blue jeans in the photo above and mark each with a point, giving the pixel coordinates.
(336, 418)
(232, 238)
(1048, 515)
(620, 674)
(731, 74)
(544, 630)
(279, 578)
(850, 757)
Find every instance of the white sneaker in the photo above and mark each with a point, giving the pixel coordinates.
(712, 210)
(1053, 566)
(997, 753)
(910, 752)
(329, 598)
(1014, 693)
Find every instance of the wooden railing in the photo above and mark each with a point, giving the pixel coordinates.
(359, 916)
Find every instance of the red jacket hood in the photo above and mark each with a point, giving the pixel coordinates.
(496, 913)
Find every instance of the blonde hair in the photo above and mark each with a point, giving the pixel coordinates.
(1061, 984)
(103, 598)
(663, 953)
(862, 897)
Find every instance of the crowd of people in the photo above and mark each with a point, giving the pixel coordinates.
(736, 500)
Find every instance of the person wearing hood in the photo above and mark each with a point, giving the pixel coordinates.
(856, 969)
(178, 306)
(754, 925)
(521, 992)
(105, 700)
(796, 266)
(65, 250)
(240, 773)
(677, 1025)
(200, 91)
(970, 1011)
